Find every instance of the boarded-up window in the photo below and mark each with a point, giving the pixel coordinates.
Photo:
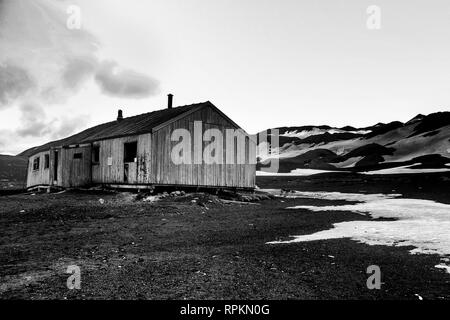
(78, 155)
(130, 152)
(36, 163)
(46, 161)
(96, 154)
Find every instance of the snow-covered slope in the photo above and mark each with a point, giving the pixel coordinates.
(423, 139)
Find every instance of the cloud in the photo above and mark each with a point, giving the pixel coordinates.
(36, 42)
(43, 63)
(78, 70)
(14, 83)
(124, 83)
(4, 134)
(33, 121)
(66, 126)
(38, 50)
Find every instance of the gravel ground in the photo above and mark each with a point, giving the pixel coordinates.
(198, 247)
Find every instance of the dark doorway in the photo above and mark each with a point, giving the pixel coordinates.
(129, 156)
(55, 166)
(130, 152)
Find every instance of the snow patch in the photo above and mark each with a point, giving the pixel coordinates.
(443, 266)
(358, 197)
(405, 169)
(423, 224)
(349, 163)
(307, 133)
(316, 131)
(296, 172)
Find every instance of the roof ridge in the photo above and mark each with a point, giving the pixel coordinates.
(133, 125)
(164, 109)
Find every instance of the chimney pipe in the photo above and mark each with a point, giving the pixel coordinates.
(119, 115)
(169, 101)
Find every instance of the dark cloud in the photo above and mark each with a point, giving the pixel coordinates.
(33, 121)
(124, 83)
(14, 83)
(111, 79)
(78, 70)
(54, 59)
(43, 61)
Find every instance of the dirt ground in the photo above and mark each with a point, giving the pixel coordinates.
(177, 248)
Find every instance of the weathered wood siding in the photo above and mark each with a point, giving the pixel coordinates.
(165, 171)
(139, 172)
(75, 172)
(56, 179)
(153, 163)
(41, 176)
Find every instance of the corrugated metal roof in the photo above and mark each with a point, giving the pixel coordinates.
(139, 124)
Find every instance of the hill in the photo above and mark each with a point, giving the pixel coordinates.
(12, 172)
(423, 141)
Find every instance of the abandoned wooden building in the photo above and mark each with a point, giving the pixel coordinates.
(137, 152)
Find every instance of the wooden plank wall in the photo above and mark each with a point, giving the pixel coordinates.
(225, 174)
(154, 164)
(139, 171)
(75, 172)
(56, 181)
(41, 176)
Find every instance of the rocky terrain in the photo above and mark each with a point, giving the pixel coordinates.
(200, 246)
(423, 142)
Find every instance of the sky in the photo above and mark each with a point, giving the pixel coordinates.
(66, 65)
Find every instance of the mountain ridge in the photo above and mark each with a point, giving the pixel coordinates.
(421, 142)
(424, 138)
